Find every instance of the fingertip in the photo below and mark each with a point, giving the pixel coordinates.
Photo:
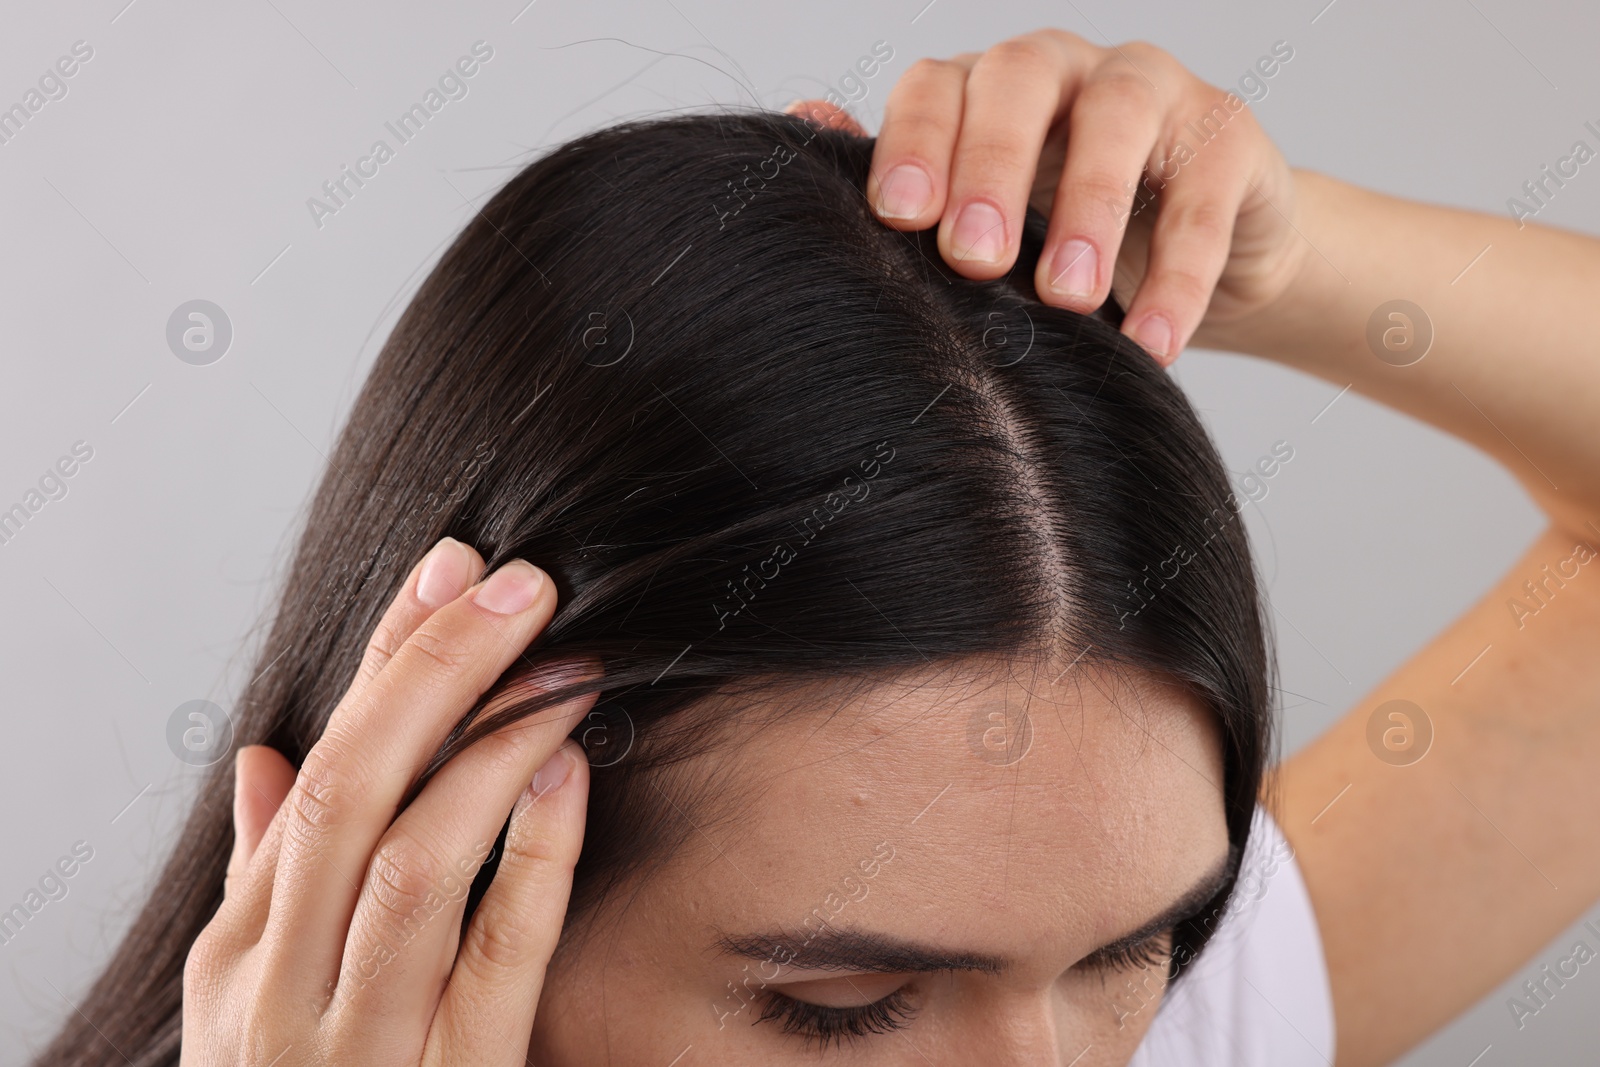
(238, 785)
(903, 194)
(1070, 276)
(576, 763)
(565, 773)
(1083, 305)
(575, 793)
(825, 114)
(978, 238)
(245, 760)
(580, 759)
(445, 572)
(475, 561)
(262, 778)
(1155, 334)
(513, 588)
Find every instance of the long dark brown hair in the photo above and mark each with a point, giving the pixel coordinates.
(757, 438)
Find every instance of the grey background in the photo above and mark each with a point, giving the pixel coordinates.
(178, 168)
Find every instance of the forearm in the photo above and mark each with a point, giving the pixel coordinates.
(1485, 826)
(1514, 364)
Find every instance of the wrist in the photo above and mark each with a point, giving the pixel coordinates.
(1301, 311)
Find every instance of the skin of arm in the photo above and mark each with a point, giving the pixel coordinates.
(1434, 882)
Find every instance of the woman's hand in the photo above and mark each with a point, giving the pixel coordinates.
(1134, 160)
(339, 937)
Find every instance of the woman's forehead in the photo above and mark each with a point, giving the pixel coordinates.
(996, 806)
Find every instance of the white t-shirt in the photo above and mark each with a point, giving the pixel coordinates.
(1258, 996)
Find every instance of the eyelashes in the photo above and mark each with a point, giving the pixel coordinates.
(1153, 951)
(816, 1023)
(824, 1026)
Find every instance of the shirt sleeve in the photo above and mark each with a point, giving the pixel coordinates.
(1258, 996)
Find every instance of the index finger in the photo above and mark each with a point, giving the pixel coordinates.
(376, 741)
(441, 575)
(910, 172)
(438, 578)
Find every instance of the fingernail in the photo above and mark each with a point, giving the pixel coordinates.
(1155, 333)
(444, 573)
(511, 589)
(555, 771)
(979, 233)
(1074, 268)
(904, 192)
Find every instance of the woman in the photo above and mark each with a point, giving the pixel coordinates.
(907, 699)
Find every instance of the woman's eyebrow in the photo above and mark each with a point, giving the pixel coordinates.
(866, 952)
(1185, 907)
(833, 949)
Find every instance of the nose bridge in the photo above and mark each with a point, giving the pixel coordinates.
(1021, 1031)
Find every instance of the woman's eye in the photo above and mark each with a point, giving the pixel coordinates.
(1153, 951)
(826, 1025)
